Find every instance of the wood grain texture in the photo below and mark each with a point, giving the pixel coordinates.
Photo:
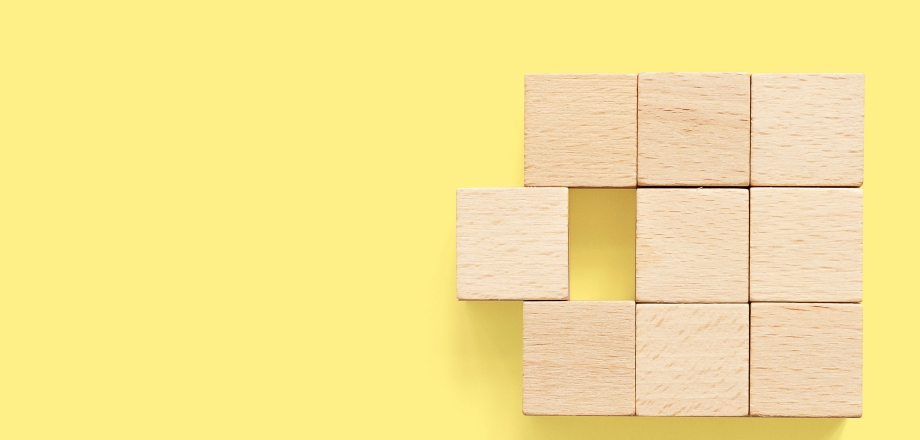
(694, 129)
(580, 130)
(806, 244)
(579, 358)
(512, 244)
(806, 360)
(692, 245)
(692, 359)
(807, 129)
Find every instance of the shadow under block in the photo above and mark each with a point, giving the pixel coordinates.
(513, 244)
(692, 359)
(806, 360)
(806, 244)
(580, 358)
(807, 130)
(694, 129)
(692, 245)
(580, 130)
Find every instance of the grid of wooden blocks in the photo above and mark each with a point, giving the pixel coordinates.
(748, 244)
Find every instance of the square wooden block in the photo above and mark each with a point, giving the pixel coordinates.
(806, 360)
(694, 129)
(692, 245)
(513, 243)
(580, 358)
(692, 359)
(806, 244)
(807, 130)
(580, 130)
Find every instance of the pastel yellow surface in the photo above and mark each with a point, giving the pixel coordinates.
(236, 220)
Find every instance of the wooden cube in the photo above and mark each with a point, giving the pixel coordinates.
(692, 359)
(580, 358)
(806, 360)
(694, 129)
(806, 244)
(513, 244)
(807, 130)
(692, 245)
(580, 130)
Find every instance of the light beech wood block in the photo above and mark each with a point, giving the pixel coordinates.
(806, 360)
(580, 130)
(806, 244)
(692, 359)
(513, 244)
(807, 129)
(692, 245)
(580, 358)
(694, 129)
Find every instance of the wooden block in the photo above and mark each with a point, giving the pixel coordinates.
(513, 244)
(580, 358)
(580, 130)
(692, 245)
(806, 360)
(806, 244)
(692, 359)
(694, 129)
(807, 130)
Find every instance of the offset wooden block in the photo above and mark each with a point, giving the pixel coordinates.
(807, 130)
(580, 358)
(513, 243)
(806, 360)
(806, 244)
(580, 130)
(692, 245)
(692, 359)
(694, 129)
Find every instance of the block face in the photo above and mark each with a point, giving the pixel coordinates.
(692, 359)
(579, 358)
(692, 245)
(580, 130)
(806, 360)
(806, 244)
(694, 129)
(807, 129)
(512, 244)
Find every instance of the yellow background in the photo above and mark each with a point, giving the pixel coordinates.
(236, 219)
